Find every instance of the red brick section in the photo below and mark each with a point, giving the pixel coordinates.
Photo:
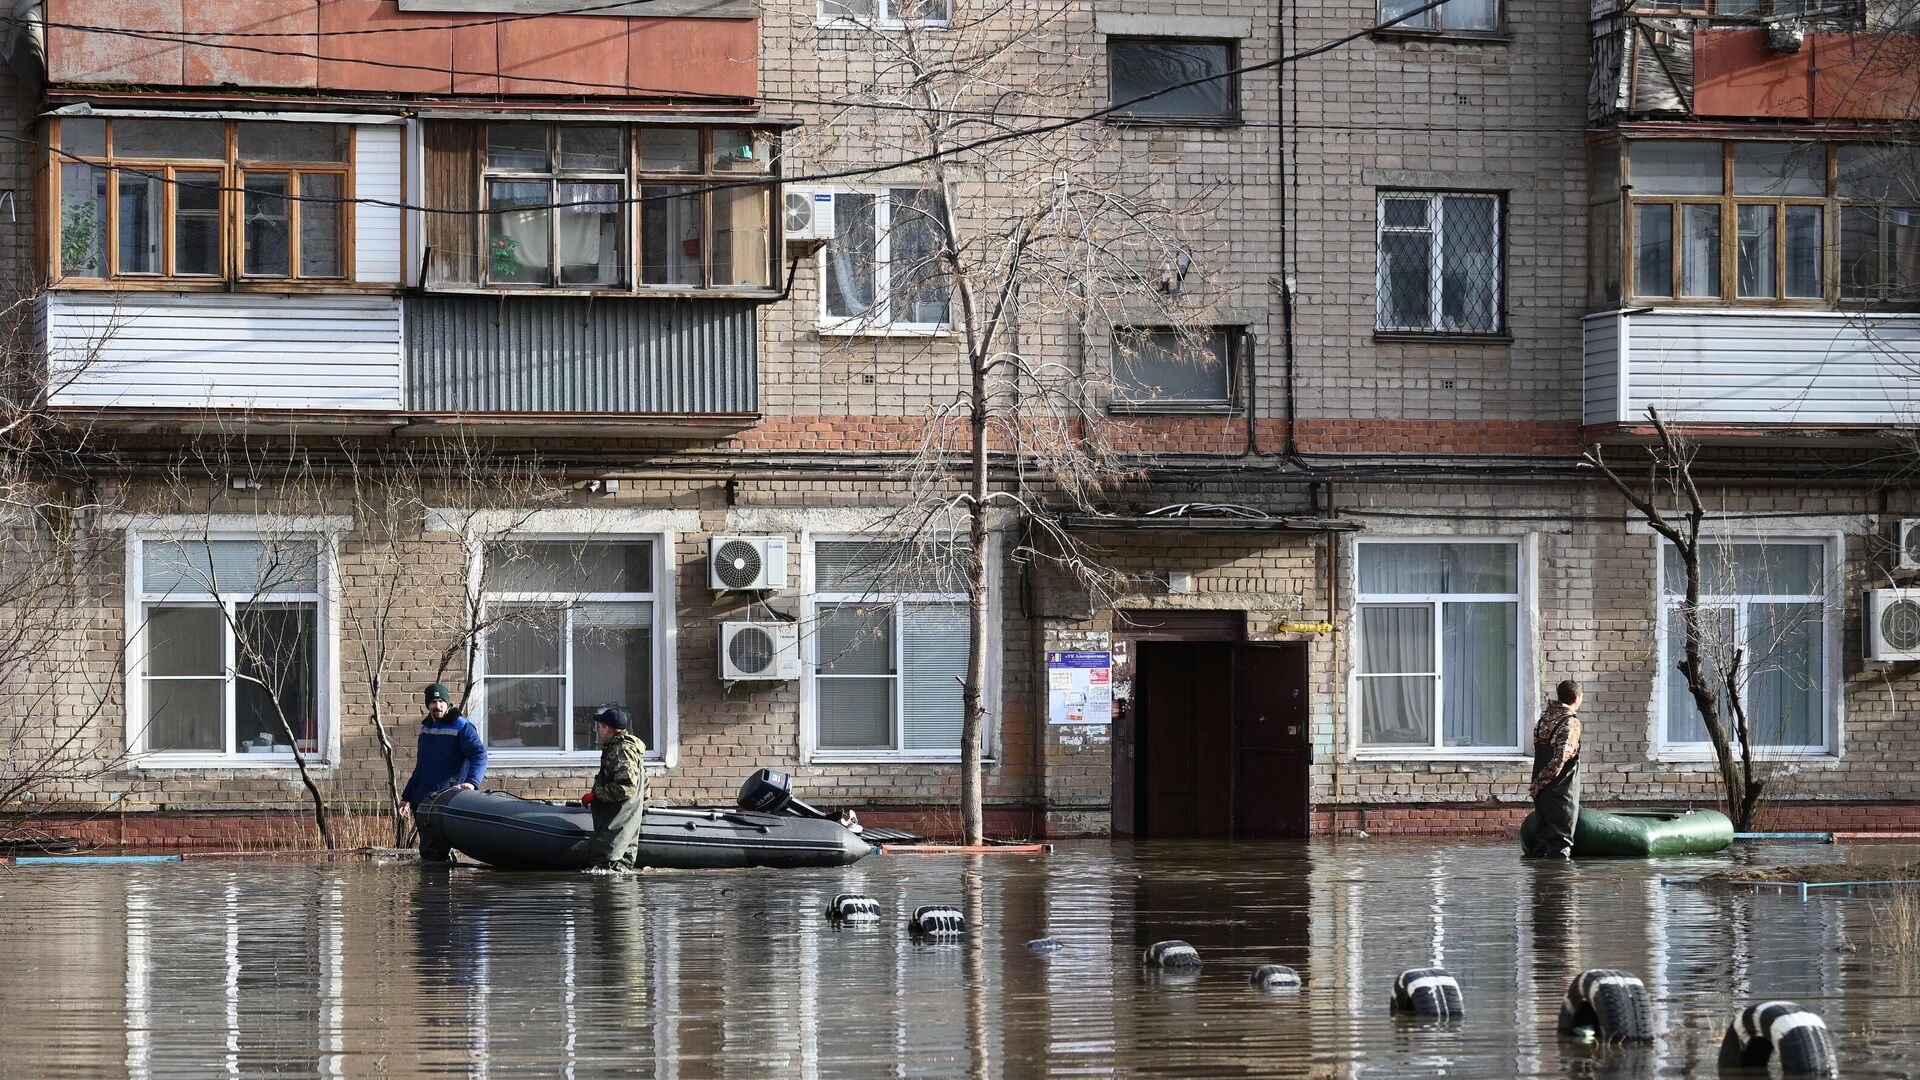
(1434, 819)
(1187, 434)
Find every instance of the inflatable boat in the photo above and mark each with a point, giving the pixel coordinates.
(770, 828)
(1645, 832)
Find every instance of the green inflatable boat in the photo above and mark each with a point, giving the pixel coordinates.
(1645, 832)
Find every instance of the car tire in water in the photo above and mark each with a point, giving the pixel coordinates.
(1429, 992)
(1798, 1037)
(1611, 1002)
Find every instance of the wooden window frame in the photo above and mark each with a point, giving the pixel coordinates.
(635, 178)
(232, 171)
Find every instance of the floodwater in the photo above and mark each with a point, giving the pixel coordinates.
(250, 968)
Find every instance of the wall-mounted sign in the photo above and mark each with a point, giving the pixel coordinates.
(1079, 688)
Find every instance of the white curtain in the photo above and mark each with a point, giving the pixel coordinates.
(1396, 703)
(1480, 644)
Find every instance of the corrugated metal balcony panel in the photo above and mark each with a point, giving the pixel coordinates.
(532, 354)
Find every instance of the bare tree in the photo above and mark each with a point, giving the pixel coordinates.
(1727, 669)
(1003, 239)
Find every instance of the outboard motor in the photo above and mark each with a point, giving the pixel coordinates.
(767, 792)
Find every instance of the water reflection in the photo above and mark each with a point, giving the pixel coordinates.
(371, 970)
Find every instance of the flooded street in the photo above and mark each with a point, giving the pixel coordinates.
(249, 968)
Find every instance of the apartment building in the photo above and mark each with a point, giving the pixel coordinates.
(283, 248)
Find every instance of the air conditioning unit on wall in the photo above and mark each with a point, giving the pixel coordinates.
(809, 213)
(1892, 630)
(747, 563)
(759, 650)
(1909, 556)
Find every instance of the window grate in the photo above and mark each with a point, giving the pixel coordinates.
(1439, 263)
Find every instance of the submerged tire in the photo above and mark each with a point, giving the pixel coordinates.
(1797, 1036)
(853, 907)
(1427, 992)
(1276, 977)
(1171, 956)
(1611, 1002)
(937, 921)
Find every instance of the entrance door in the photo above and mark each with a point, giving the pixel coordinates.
(1270, 752)
(1221, 734)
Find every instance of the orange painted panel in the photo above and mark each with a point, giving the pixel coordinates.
(252, 61)
(1736, 75)
(710, 56)
(415, 49)
(476, 51)
(1866, 76)
(575, 50)
(77, 56)
(574, 55)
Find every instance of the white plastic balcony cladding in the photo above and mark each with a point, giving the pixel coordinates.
(376, 176)
(1764, 367)
(223, 351)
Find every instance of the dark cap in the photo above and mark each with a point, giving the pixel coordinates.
(614, 717)
(437, 692)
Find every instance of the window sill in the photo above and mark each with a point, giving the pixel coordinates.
(248, 762)
(886, 331)
(1224, 412)
(1438, 337)
(1124, 121)
(506, 759)
(1450, 37)
(882, 757)
(880, 24)
(1488, 757)
(195, 285)
(1827, 758)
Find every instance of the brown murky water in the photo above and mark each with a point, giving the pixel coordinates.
(353, 969)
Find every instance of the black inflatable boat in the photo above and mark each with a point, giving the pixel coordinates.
(770, 828)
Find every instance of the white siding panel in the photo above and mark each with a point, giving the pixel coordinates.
(1769, 367)
(1601, 383)
(169, 350)
(376, 175)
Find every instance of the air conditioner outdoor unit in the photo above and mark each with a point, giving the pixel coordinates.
(809, 213)
(747, 563)
(1910, 544)
(759, 650)
(1893, 624)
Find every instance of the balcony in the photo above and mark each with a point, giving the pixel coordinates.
(1752, 368)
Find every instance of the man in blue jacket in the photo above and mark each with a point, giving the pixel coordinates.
(450, 755)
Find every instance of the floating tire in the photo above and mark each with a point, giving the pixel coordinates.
(852, 907)
(1045, 944)
(1779, 1028)
(1612, 1003)
(1276, 977)
(1171, 956)
(1429, 992)
(937, 921)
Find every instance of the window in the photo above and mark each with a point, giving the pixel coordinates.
(1439, 268)
(228, 643)
(153, 198)
(1164, 68)
(889, 649)
(1438, 664)
(1173, 370)
(890, 13)
(563, 201)
(569, 629)
(1879, 189)
(885, 268)
(1456, 16)
(1768, 598)
(1733, 222)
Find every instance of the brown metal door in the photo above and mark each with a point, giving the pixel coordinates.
(1271, 742)
(1185, 727)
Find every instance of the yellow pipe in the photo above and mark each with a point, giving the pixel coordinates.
(1303, 628)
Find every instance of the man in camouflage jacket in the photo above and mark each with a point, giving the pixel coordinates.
(619, 796)
(1556, 774)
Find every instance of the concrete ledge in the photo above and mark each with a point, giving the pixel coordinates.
(1172, 26)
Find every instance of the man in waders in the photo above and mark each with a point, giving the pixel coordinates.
(1556, 774)
(619, 796)
(450, 754)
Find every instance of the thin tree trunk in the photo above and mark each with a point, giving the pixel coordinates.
(979, 628)
(386, 754)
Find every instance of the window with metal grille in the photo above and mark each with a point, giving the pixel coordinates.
(1439, 262)
(889, 648)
